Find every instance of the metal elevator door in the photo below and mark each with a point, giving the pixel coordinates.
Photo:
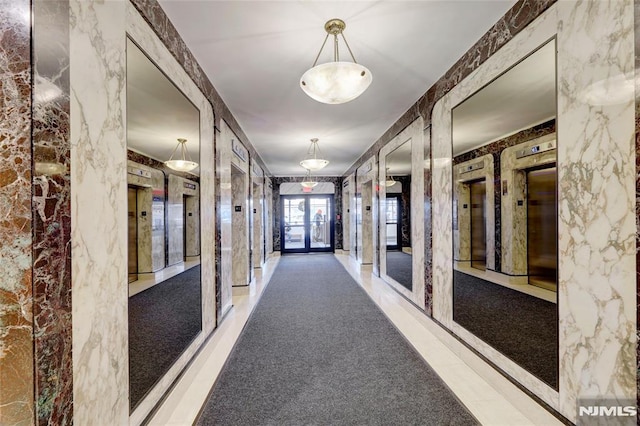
(132, 246)
(542, 225)
(478, 249)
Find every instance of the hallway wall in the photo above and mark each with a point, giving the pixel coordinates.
(77, 371)
(594, 288)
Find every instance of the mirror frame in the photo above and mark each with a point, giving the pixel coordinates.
(413, 133)
(141, 34)
(527, 41)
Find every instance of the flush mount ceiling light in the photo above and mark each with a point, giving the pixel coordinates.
(308, 181)
(313, 160)
(335, 82)
(185, 164)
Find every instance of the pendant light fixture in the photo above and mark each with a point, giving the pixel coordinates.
(313, 160)
(308, 181)
(389, 179)
(335, 82)
(185, 164)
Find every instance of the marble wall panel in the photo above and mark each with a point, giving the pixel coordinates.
(346, 190)
(637, 103)
(258, 226)
(52, 212)
(268, 227)
(240, 228)
(351, 216)
(337, 199)
(223, 174)
(99, 212)
(596, 176)
(16, 297)
(192, 222)
(366, 229)
(495, 148)
(428, 252)
(139, 31)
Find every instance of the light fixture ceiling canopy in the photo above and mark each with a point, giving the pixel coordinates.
(183, 164)
(335, 82)
(314, 159)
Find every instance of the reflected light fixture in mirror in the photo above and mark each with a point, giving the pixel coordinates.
(185, 164)
(313, 160)
(308, 182)
(335, 82)
(389, 180)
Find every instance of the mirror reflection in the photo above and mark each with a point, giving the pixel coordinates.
(398, 215)
(505, 214)
(163, 223)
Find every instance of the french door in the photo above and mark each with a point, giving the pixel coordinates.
(306, 223)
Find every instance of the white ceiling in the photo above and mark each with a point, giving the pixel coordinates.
(521, 98)
(157, 112)
(398, 161)
(254, 53)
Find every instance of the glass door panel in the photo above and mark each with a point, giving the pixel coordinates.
(307, 223)
(294, 220)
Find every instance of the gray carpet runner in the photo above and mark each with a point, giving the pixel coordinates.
(318, 351)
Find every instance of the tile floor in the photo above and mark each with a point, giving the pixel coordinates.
(491, 398)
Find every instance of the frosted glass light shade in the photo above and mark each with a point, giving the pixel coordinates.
(308, 184)
(336, 82)
(389, 182)
(314, 164)
(181, 165)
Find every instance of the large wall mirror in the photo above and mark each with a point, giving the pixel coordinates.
(504, 227)
(397, 215)
(165, 314)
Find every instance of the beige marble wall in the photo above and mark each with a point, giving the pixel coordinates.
(268, 216)
(514, 217)
(413, 134)
(596, 175)
(346, 222)
(223, 147)
(258, 222)
(240, 273)
(365, 197)
(99, 217)
(462, 236)
(175, 221)
(351, 216)
(192, 219)
(98, 210)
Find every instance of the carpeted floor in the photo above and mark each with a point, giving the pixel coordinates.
(399, 268)
(522, 327)
(163, 321)
(318, 351)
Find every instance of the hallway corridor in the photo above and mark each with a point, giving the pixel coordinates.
(317, 350)
(226, 359)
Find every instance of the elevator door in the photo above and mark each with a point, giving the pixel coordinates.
(542, 224)
(132, 247)
(478, 195)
